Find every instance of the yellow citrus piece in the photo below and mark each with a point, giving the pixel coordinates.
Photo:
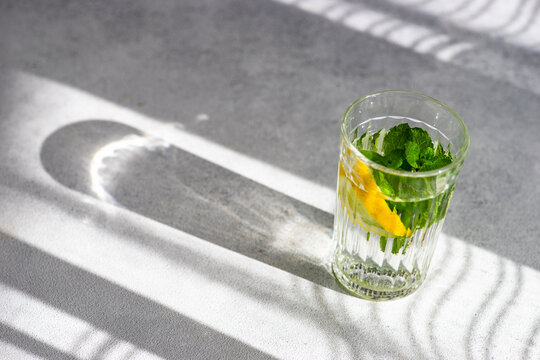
(353, 207)
(372, 211)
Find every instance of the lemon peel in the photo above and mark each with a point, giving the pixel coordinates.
(371, 211)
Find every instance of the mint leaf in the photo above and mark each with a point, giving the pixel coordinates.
(373, 156)
(407, 149)
(397, 244)
(379, 140)
(404, 148)
(384, 185)
(394, 159)
(396, 138)
(368, 141)
(421, 138)
(412, 153)
(375, 139)
(383, 243)
(426, 154)
(438, 162)
(439, 150)
(359, 141)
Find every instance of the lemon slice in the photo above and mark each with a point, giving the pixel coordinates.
(366, 205)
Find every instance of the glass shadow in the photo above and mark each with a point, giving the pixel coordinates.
(119, 164)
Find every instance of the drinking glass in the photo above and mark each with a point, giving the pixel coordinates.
(387, 221)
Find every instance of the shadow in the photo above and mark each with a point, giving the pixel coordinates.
(443, 298)
(116, 163)
(437, 274)
(502, 28)
(534, 332)
(492, 37)
(346, 332)
(420, 39)
(515, 14)
(303, 305)
(176, 188)
(460, 7)
(386, 33)
(482, 9)
(483, 307)
(440, 41)
(503, 313)
(69, 162)
(384, 22)
(420, 3)
(110, 222)
(530, 21)
(122, 313)
(31, 345)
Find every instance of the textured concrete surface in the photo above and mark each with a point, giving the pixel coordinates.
(122, 238)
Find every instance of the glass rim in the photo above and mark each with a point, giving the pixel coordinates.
(462, 153)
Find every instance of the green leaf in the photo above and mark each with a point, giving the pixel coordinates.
(396, 138)
(449, 155)
(421, 138)
(437, 163)
(397, 244)
(360, 140)
(407, 149)
(373, 156)
(426, 154)
(368, 141)
(384, 185)
(374, 140)
(412, 153)
(439, 150)
(383, 243)
(406, 166)
(394, 159)
(379, 140)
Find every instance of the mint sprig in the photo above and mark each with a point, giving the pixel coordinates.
(404, 148)
(408, 149)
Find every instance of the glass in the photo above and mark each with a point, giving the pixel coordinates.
(387, 221)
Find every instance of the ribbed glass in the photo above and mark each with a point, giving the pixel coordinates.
(368, 261)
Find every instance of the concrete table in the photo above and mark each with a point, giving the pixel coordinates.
(168, 168)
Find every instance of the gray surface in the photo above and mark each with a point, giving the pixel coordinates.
(154, 327)
(273, 81)
(277, 81)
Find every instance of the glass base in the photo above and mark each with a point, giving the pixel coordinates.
(374, 282)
